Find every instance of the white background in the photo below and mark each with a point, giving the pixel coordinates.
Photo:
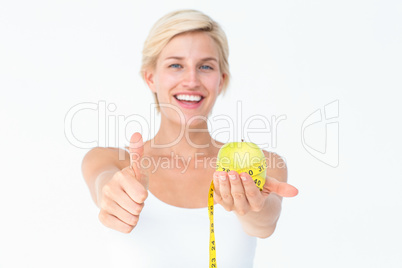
(288, 58)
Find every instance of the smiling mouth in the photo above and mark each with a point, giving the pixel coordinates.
(189, 99)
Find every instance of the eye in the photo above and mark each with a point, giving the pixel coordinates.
(175, 65)
(206, 67)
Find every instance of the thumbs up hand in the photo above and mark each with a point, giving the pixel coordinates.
(122, 197)
(136, 149)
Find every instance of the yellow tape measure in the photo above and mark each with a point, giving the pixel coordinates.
(258, 173)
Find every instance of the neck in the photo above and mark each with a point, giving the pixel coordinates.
(182, 140)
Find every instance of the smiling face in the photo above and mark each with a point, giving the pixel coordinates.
(187, 76)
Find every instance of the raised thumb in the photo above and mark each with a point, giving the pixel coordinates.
(281, 188)
(136, 149)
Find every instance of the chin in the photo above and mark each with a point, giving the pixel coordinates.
(188, 119)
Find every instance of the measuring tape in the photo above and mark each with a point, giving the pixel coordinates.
(257, 172)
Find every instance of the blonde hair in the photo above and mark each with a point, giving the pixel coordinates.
(178, 22)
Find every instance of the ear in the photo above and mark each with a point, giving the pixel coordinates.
(223, 78)
(149, 79)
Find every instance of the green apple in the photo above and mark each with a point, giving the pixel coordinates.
(243, 157)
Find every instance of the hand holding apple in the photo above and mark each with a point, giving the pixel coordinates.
(240, 167)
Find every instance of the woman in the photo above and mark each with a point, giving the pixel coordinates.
(185, 65)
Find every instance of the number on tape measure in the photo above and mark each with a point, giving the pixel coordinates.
(254, 170)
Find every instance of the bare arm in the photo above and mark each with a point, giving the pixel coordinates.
(117, 183)
(99, 165)
(263, 223)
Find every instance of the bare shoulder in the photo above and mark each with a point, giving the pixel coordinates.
(276, 166)
(216, 145)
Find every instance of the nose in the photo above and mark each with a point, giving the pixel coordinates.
(190, 78)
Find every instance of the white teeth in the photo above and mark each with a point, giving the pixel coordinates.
(188, 97)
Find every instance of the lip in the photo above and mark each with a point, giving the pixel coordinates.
(189, 106)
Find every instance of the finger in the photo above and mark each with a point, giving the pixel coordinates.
(253, 193)
(281, 188)
(114, 209)
(136, 149)
(121, 197)
(224, 188)
(124, 201)
(217, 193)
(132, 187)
(112, 222)
(239, 197)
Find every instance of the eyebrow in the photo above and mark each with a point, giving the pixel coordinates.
(181, 58)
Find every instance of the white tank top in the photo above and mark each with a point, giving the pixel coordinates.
(169, 236)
